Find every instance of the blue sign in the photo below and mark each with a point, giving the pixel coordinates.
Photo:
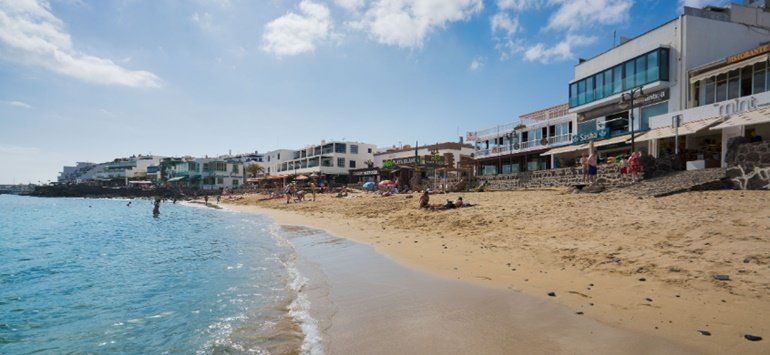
(593, 135)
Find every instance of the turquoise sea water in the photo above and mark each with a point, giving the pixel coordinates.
(98, 276)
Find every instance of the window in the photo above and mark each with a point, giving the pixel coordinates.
(617, 83)
(369, 150)
(733, 84)
(573, 94)
(352, 164)
(590, 89)
(710, 91)
(629, 78)
(721, 87)
(608, 82)
(235, 182)
(220, 180)
(599, 86)
(340, 148)
(235, 169)
(341, 162)
(279, 156)
(759, 77)
(353, 149)
(652, 67)
(746, 77)
(641, 71)
(664, 64)
(581, 92)
(650, 111)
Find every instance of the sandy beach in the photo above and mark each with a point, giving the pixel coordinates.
(642, 264)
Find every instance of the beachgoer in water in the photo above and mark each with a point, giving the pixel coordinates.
(219, 197)
(156, 208)
(128, 204)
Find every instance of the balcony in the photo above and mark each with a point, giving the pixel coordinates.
(560, 140)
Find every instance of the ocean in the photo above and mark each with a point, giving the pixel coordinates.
(103, 276)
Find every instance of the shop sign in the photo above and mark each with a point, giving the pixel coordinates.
(593, 135)
(398, 161)
(748, 54)
(654, 98)
(370, 172)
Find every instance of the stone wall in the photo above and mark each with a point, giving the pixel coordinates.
(748, 164)
(608, 175)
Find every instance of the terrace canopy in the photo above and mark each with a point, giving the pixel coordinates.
(178, 178)
(685, 129)
(746, 118)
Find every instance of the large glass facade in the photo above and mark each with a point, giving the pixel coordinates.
(647, 68)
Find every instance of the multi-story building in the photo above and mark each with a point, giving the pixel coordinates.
(131, 168)
(71, 174)
(208, 173)
(328, 159)
(655, 68)
(517, 146)
(432, 161)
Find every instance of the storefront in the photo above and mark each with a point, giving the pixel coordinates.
(360, 176)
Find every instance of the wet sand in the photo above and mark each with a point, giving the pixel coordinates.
(646, 264)
(367, 304)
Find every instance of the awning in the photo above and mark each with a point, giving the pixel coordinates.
(566, 149)
(175, 179)
(254, 179)
(613, 140)
(140, 182)
(685, 129)
(728, 68)
(746, 118)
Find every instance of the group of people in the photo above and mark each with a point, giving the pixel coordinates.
(425, 203)
(299, 195)
(630, 164)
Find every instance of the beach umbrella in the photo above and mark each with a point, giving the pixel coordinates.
(369, 185)
(385, 183)
(301, 177)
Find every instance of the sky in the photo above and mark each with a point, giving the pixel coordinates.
(94, 80)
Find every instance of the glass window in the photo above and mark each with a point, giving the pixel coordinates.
(581, 92)
(589, 89)
(650, 111)
(352, 164)
(746, 76)
(573, 95)
(733, 84)
(630, 76)
(652, 67)
(721, 87)
(353, 149)
(340, 148)
(607, 82)
(641, 71)
(759, 77)
(617, 83)
(599, 86)
(341, 162)
(664, 64)
(711, 91)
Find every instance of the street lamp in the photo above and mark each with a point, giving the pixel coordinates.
(627, 100)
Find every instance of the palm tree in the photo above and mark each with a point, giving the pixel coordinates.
(255, 169)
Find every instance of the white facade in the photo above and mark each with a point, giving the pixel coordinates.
(209, 173)
(327, 158)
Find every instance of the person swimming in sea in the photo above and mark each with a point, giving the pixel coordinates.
(156, 207)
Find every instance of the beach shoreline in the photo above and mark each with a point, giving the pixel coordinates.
(673, 301)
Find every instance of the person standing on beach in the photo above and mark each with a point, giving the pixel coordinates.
(591, 161)
(156, 207)
(206, 199)
(219, 197)
(584, 166)
(312, 189)
(634, 165)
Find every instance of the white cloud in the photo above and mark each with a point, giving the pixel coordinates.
(31, 34)
(519, 5)
(560, 51)
(501, 21)
(202, 20)
(19, 104)
(575, 14)
(294, 34)
(702, 3)
(351, 5)
(477, 63)
(406, 23)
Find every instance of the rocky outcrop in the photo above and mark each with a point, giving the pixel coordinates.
(748, 164)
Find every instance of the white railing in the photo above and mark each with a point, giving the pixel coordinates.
(525, 146)
(564, 138)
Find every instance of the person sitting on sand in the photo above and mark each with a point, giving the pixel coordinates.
(425, 200)
(449, 205)
(300, 196)
(459, 202)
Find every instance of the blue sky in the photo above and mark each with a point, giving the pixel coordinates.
(94, 80)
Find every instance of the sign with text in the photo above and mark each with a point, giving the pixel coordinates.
(581, 138)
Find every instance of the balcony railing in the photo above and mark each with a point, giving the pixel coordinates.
(524, 146)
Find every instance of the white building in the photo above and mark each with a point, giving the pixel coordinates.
(132, 168)
(448, 154)
(208, 173)
(334, 159)
(517, 146)
(659, 62)
(70, 174)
